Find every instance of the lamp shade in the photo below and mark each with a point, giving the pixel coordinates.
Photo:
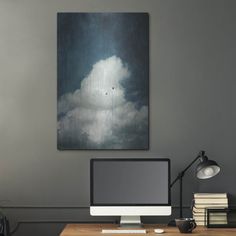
(207, 168)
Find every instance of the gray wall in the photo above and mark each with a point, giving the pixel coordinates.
(192, 103)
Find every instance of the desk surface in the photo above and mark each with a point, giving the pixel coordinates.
(95, 229)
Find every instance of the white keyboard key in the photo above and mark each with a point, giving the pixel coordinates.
(124, 231)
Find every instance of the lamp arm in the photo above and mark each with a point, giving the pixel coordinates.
(181, 174)
(180, 179)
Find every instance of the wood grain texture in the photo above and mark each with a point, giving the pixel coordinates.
(96, 229)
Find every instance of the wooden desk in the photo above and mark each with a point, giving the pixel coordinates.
(95, 229)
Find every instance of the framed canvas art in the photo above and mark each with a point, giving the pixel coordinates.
(103, 81)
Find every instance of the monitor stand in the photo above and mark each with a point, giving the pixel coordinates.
(130, 222)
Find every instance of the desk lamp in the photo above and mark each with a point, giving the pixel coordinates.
(205, 169)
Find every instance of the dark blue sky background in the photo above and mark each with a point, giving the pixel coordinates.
(85, 38)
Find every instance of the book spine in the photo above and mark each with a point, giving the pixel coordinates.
(211, 201)
(212, 214)
(202, 206)
(216, 218)
(210, 195)
(203, 223)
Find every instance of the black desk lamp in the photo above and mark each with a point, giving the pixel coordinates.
(205, 170)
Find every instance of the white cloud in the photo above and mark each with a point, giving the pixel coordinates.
(98, 111)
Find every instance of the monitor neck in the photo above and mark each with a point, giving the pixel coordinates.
(130, 221)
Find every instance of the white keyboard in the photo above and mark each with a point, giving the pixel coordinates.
(124, 231)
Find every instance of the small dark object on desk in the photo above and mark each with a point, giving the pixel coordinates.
(185, 225)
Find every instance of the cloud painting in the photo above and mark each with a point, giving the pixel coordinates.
(103, 81)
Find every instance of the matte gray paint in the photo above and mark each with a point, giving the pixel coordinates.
(192, 100)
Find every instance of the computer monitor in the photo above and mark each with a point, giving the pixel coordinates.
(130, 188)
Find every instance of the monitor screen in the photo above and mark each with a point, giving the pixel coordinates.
(130, 182)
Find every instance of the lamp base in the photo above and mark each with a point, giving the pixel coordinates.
(172, 223)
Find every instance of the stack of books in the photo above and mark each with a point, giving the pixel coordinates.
(202, 201)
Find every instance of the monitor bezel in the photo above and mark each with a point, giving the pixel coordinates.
(128, 159)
